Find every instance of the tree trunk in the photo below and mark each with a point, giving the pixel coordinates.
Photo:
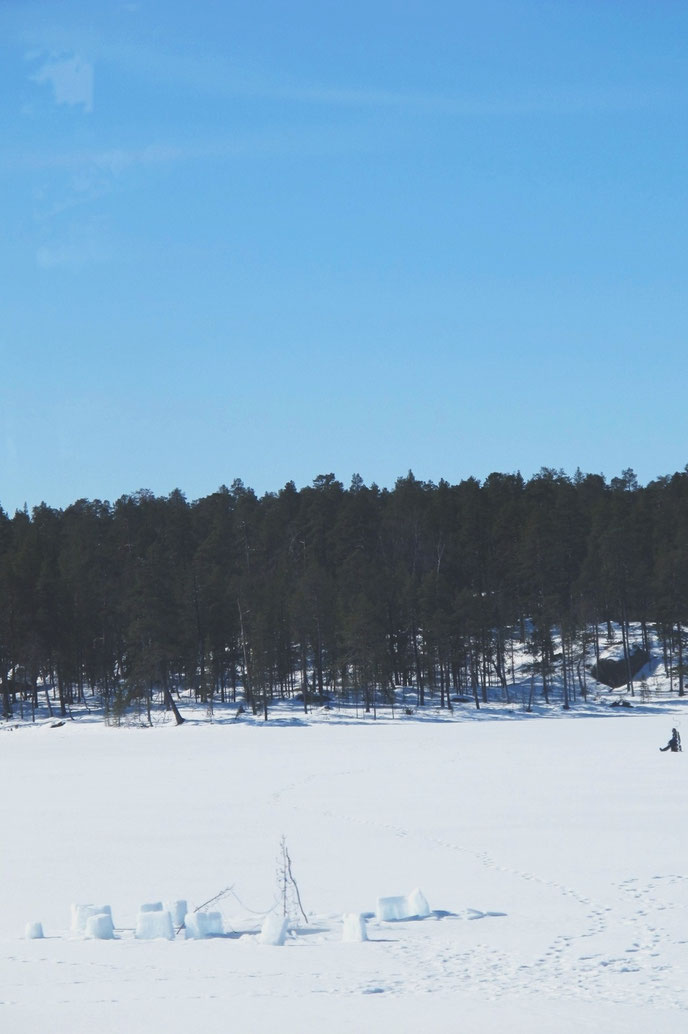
(564, 671)
(169, 703)
(680, 659)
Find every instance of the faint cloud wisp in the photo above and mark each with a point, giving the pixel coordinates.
(81, 248)
(71, 80)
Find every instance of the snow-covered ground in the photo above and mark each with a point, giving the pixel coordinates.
(553, 855)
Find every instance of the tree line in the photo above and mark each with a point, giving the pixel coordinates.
(337, 591)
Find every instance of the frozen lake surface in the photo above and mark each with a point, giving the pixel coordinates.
(552, 854)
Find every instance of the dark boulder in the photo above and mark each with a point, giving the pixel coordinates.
(612, 671)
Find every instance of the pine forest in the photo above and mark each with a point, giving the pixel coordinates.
(330, 592)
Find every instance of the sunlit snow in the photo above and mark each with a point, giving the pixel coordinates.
(550, 852)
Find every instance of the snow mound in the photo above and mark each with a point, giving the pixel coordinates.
(151, 906)
(199, 925)
(82, 913)
(405, 906)
(274, 930)
(354, 927)
(154, 925)
(100, 927)
(34, 931)
(417, 904)
(177, 910)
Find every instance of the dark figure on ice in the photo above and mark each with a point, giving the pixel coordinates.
(674, 743)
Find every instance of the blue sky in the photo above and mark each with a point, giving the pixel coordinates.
(268, 241)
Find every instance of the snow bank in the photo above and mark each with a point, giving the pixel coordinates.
(354, 927)
(274, 930)
(406, 906)
(82, 913)
(100, 927)
(34, 931)
(153, 925)
(199, 925)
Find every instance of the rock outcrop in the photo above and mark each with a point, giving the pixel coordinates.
(612, 671)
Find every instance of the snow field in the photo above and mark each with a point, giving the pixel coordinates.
(553, 853)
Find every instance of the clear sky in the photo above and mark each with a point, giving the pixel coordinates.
(270, 240)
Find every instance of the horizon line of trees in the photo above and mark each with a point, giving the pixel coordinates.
(327, 589)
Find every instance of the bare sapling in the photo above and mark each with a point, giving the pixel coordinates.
(287, 886)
